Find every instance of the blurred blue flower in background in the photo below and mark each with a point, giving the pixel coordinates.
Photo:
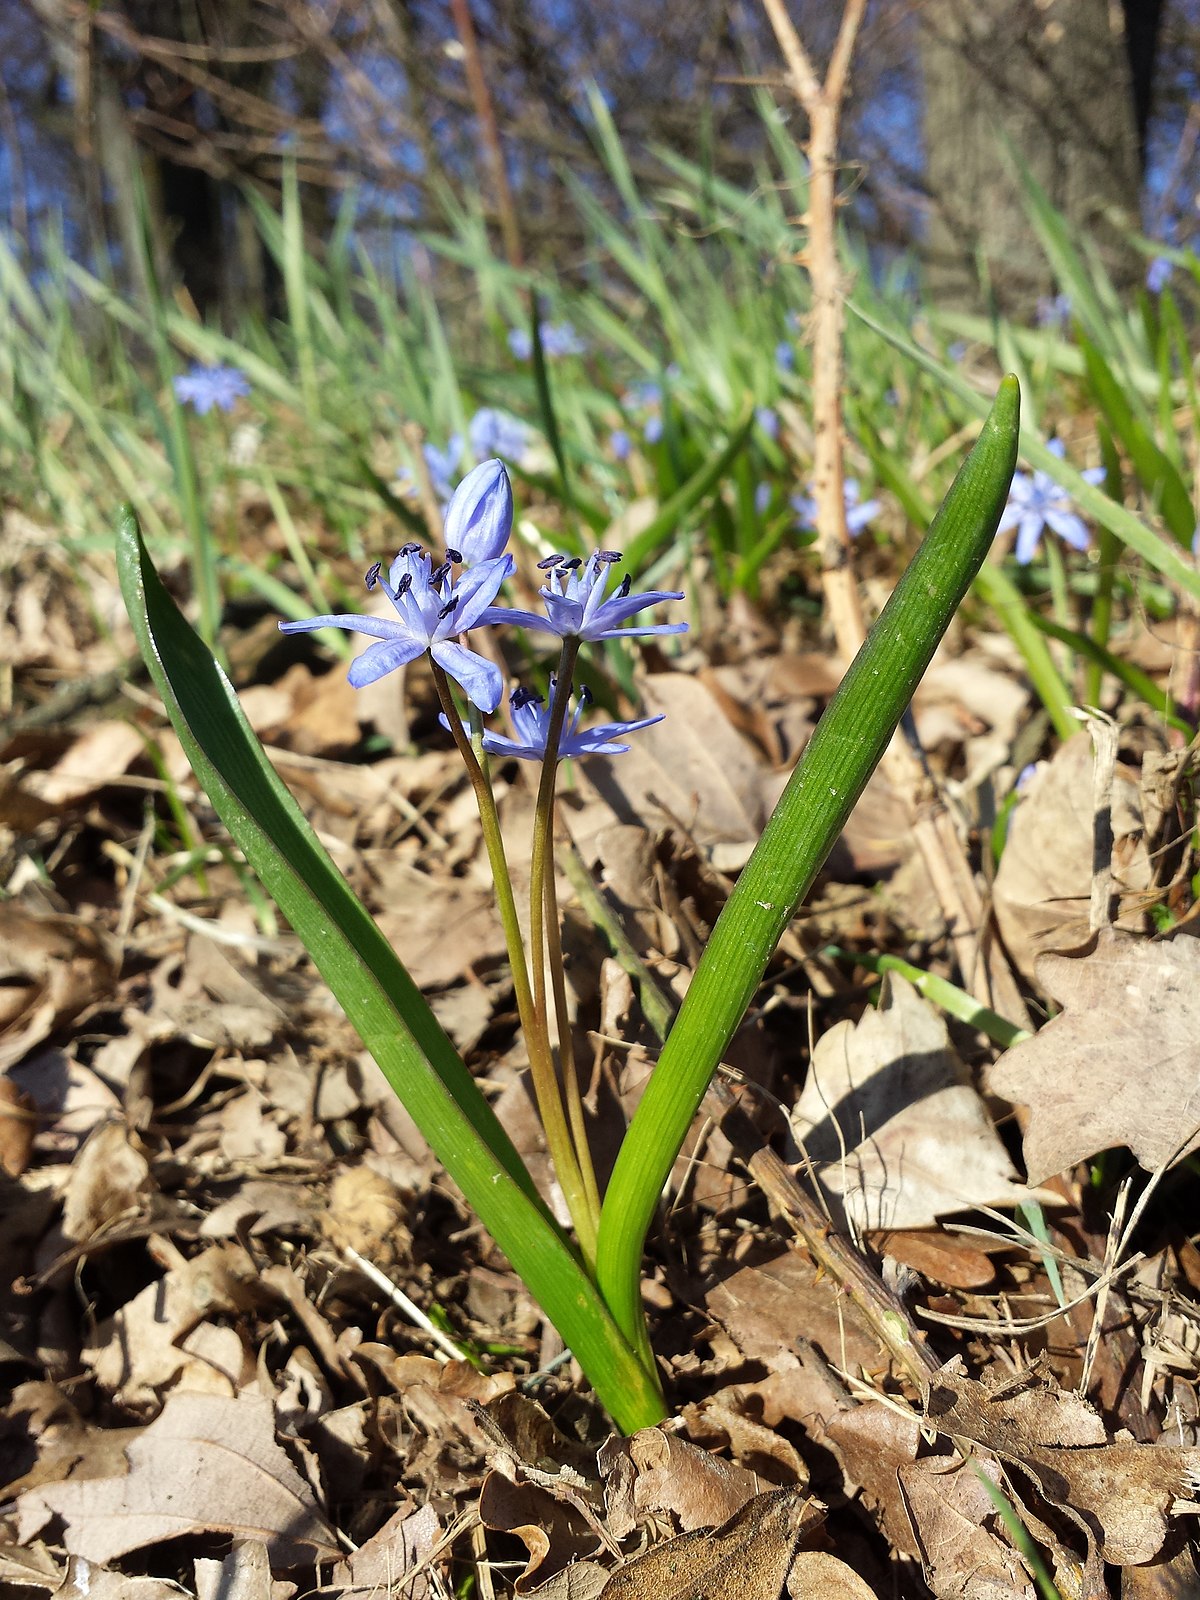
(496, 433)
(1036, 502)
(558, 339)
(858, 512)
(202, 388)
(785, 356)
(762, 497)
(1054, 311)
(768, 421)
(620, 444)
(1158, 274)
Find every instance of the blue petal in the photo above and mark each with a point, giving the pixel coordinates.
(479, 517)
(1069, 528)
(476, 590)
(1028, 535)
(517, 619)
(618, 609)
(481, 680)
(380, 659)
(352, 622)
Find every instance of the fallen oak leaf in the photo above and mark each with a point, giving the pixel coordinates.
(206, 1465)
(749, 1556)
(1119, 1493)
(892, 1124)
(1126, 1001)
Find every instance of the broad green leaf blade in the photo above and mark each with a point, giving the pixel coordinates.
(374, 989)
(833, 771)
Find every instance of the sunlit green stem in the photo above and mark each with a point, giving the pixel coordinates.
(566, 1044)
(537, 1041)
(543, 911)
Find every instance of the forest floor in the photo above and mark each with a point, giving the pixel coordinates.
(926, 1309)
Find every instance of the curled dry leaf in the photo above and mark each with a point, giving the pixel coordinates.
(394, 1561)
(892, 1124)
(1120, 1493)
(750, 1556)
(1044, 879)
(207, 1465)
(1120, 1065)
(51, 968)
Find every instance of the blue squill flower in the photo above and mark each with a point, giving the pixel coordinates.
(479, 516)
(1158, 274)
(620, 444)
(496, 433)
(1036, 502)
(575, 603)
(202, 388)
(762, 497)
(768, 421)
(558, 339)
(443, 467)
(785, 356)
(431, 608)
(1054, 311)
(653, 431)
(531, 723)
(858, 512)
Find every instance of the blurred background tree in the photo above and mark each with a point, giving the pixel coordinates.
(371, 97)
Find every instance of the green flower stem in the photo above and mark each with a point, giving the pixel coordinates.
(537, 1042)
(841, 755)
(566, 1045)
(543, 912)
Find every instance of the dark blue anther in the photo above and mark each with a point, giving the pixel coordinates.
(454, 555)
(548, 561)
(373, 574)
(626, 585)
(449, 606)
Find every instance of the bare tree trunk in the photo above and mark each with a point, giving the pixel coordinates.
(1053, 78)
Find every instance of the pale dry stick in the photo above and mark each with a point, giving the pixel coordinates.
(883, 1310)
(489, 132)
(822, 104)
(445, 1348)
(985, 973)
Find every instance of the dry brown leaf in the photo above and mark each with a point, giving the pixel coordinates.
(51, 968)
(1044, 880)
(244, 1574)
(962, 1551)
(18, 1124)
(1120, 1493)
(101, 753)
(775, 1292)
(438, 926)
(206, 1465)
(655, 1473)
(139, 1351)
(109, 1178)
(749, 1556)
(693, 770)
(386, 1565)
(890, 1121)
(1120, 1065)
(552, 1530)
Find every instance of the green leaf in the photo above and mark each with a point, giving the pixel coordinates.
(689, 495)
(374, 989)
(1156, 472)
(833, 771)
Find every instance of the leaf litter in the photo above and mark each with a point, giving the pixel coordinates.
(858, 1291)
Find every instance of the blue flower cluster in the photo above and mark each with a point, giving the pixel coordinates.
(489, 433)
(202, 388)
(1036, 502)
(437, 606)
(558, 339)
